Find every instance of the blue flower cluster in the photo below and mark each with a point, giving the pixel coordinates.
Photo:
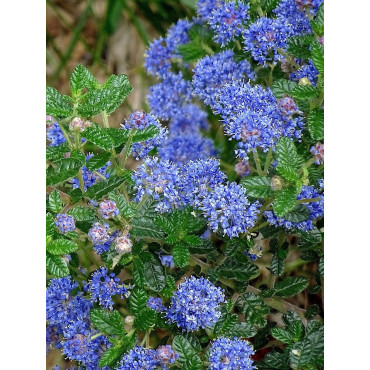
(156, 304)
(195, 304)
(53, 132)
(212, 73)
(65, 223)
(189, 118)
(103, 286)
(165, 355)
(205, 8)
(231, 354)
(227, 20)
(316, 210)
(90, 178)
(99, 234)
(318, 152)
(228, 209)
(167, 261)
(108, 209)
(306, 71)
(140, 120)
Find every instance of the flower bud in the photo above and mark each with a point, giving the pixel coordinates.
(108, 209)
(318, 152)
(304, 81)
(276, 183)
(242, 168)
(123, 244)
(129, 320)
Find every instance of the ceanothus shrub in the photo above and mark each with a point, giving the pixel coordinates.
(193, 259)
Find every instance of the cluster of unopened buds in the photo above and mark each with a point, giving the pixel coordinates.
(78, 125)
(123, 244)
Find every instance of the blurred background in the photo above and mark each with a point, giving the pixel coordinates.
(106, 36)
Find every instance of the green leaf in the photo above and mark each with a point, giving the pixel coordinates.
(154, 275)
(143, 225)
(317, 51)
(102, 188)
(188, 357)
(241, 330)
(315, 124)
(98, 161)
(181, 255)
(126, 210)
(119, 136)
(56, 265)
(81, 78)
(170, 287)
(55, 201)
(80, 213)
(191, 52)
(288, 173)
(321, 266)
(61, 246)
(193, 240)
(192, 4)
(239, 270)
(296, 329)
(254, 307)
(257, 187)
(304, 92)
(318, 23)
(57, 104)
(291, 286)
(286, 153)
(107, 322)
(233, 246)
(282, 335)
(269, 5)
(138, 300)
(300, 354)
(274, 361)
(112, 355)
(277, 265)
(138, 272)
(146, 134)
(65, 169)
(282, 87)
(225, 323)
(98, 136)
(284, 202)
(56, 152)
(50, 225)
(298, 214)
(145, 319)
(299, 46)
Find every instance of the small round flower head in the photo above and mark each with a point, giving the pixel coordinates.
(159, 178)
(188, 146)
(205, 8)
(53, 337)
(167, 261)
(254, 252)
(264, 37)
(88, 177)
(79, 345)
(99, 234)
(307, 71)
(129, 320)
(53, 132)
(78, 125)
(123, 244)
(156, 304)
(165, 355)
(167, 97)
(310, 4)
(316, 210)
(228, 210)
(287, 106)
(227, 21)
(318, 152)
(195, 304)
(140, 120)
(228, 354)
(65, 223)
(108, 209)
(212, 73)
(276, 183)
(138, 358)
(199, 177)
(189, 118)
(103, 286)
(243, 168)
(62, 307)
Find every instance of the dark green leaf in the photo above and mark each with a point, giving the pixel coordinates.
(277, 265)
(290, 286)
(98, 136)
(282, 87)
(254, 307)
(315, 124)
(65, 169)
(55, 202)
(188, 357)
(286, 153)
(98, 161)
(56, 265)
(269, 5)
(284, 202)
(154, 275)
(146, 134)
(57, 104)
(102, 188)
(298, 214)
(181, 255)
(145, 319)
(318, 23)
(138, 300)
(241, 330)
(299, 46)
(80, 213)
(56, 152)
(107, 322)
(257, 187)
(126, 210)
(81, 78)
(312, 311)
(239, 270)
(50, 225)
(119, 136)
(274, 361)
(193, 240)
(282, 335)
(138, 272)
(289, 173)
(304, 92)
(191, 52)
(170, 287)
(61, 246)
(296, 329)
(112, 355)
(318, 56)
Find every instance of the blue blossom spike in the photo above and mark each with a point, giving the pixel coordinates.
(103, 286)
(53, 132)
(227, 21)
(65, 223)
(195, 304)
(99, 234)
(108, 209)
(205, 8)
(189, 118)
(156, 304)
(138, 358)
(307, 71)
(228, 210)
(228, 354)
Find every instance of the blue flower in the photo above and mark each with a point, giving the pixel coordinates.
(108, 209)
(140, 120)
(189, 118)
(205, 8)
(62, 306)
(99, 234)
(53, 132)
(254, 252)
(103, 286)
(318, 152)
(307, 71)
(53, 337)
(167, 261)
(212, 73)
(65, 223)
(156, 304)
(167, 97)
(165, 355)
(195, 304)
(228, 354)
(79, 344)
(138, 358)
(227, 20)
(264, 37)
(228, 210)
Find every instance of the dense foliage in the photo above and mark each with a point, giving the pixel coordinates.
(191, 259)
